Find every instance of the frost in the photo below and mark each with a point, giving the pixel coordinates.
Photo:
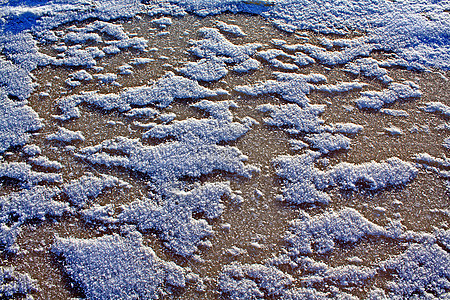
(173, 219)
(99, 214)
(142, 112)
(141, 61)
(82, 38)
(247, 66)
(13, 283)
(291, 87)
(14, 80)
(327, 142)
(437, 107)
(395, 92)
(66, 136)
(215, 44)
(113, 267)
(31, 150)
(393, 130)
(106, 78)
(394, 112)
(76, 57)
(321, 233)
(373, 175)
(254, 281)
(83, 190)
(17, 119)
(231, 29)
(422, 270)
(136, 43)
(33, 204)
(169, 160)
(210, 69)
(162, 22)
(22, 172)
(271, 56)
(294, 119)
(161, 93)
(368, 67)
(45, 163)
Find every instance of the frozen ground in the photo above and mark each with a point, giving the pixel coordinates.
(224, 149)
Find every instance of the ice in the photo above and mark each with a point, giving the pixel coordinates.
(293, 118)
(115, 267)
(299, 173)
(162, 22)
(142, 112)
(112, 30)
(160, 93)
(14, 81)
(422, 270)
(66, 136)
(44, 162)
(271, 56)
(395, 92)
(83, 190)
(321, 233)
(208, 69)
(173, 219)
(327, 142)
(141, 61)
(368, 67)
(395, 112)
(99, 214)
(215, 44)
(247, 66)
(169, 160)
(22, 172)
(81, 75)
(76, 57)
(437, 107)
(136, 43)
(291, 87)
(13, 284)
(372, 175)
(31, 204)
(17, 120)
(238, 281)
(106, 78)
(231, 29)
(393, 130)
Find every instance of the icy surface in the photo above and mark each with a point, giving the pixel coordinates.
(320, 234)
(114, 267)
(81, 191)
(17, 120)
(173, 219)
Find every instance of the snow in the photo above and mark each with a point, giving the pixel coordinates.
(18, 119)
(437, 107)
(66, 136)
(173, 220)
(208, 69)
(320, 234)
(22, 172)
(231, 29)
(83, 190)
(13, 283)
(115, 267)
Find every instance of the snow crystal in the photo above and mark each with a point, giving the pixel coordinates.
(82, 38)
(13, 283)
(114, 267)
(76, 57)
(83, 190)
(437, 107)
(33, 204)
(99, 214)
(31, 150)
(66, 136)
(215, 44)
(14, 80)
(394, 112)
(210, 69)
(169, 160)
(22, 172)
(327, 142)
(247, 66)
(368, 67)
(319, 234)
(423, 270)
(254, 281)
(293, 118)
(173, 219)
(136, 43)
(373, 175)
(396, 91)
(17, 120)
(231, 29)
(45, 163)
